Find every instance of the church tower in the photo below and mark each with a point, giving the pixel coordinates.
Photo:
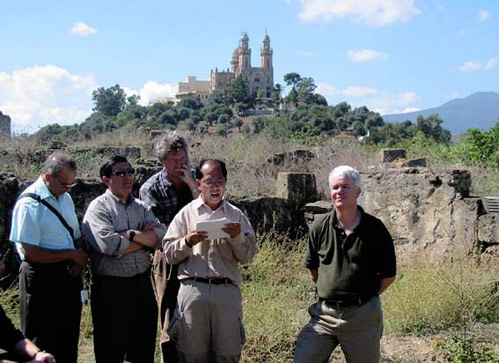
(244, 55)
(266, 53)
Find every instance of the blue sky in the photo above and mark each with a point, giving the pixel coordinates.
(389, 55)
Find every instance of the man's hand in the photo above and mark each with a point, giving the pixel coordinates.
(43, 357)
(314, 274)
(79, 257)
(233, 229)
(150, 226)
(193, 237)
(74, 269)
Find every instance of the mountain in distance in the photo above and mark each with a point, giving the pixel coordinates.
(480, 110)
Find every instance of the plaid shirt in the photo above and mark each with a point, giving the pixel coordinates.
(160, 194)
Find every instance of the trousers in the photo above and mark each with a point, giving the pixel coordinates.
(207, 324)
(125, 317)
(356, 329)
(50, 308)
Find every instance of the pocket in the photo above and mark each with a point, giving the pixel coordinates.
(175, 325)
(242, 331)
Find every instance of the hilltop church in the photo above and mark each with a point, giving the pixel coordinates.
(259, 79)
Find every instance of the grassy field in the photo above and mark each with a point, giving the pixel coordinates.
(442, 303)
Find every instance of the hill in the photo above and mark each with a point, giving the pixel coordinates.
(480, 110)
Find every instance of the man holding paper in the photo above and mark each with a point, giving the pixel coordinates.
(207, 324)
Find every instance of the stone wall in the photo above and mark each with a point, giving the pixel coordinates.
(5, 126)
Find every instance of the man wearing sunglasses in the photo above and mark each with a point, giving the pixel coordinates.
(122, 231)
(166, 192)
(207, 324)
(47, 236)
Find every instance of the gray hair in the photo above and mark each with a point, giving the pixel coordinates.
(58, 161)
(171, 141)
(345, 171)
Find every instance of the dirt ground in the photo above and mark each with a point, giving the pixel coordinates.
(416, 349)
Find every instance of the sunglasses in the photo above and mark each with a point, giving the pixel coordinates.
(123, 172)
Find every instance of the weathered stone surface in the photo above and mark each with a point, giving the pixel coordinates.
(415, 163)
(132, 153)
(296, 156)
(422, 213)
(267, 213)
(490, 255)
(5, 124)
(390, 155)
(297, 188)
(488, 228)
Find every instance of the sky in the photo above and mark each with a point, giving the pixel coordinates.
(392, 56)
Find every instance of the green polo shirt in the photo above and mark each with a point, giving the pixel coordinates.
(350, 266)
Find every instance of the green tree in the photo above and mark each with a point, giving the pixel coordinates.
(237, 91)
(109, 101)
(238, 123)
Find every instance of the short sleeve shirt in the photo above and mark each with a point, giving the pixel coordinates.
(350, 266)
(35, 224)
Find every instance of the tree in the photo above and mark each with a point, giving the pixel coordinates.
(237, 91)
(292, 79)
(109, 101)
(305, 88)
(238, 123)
(431, 127)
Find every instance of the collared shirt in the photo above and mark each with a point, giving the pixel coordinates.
(352, 266)
(35, 224)
(217, 258)
(160, 194)
(106, 216)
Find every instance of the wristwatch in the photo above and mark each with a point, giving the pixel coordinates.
(131, 234)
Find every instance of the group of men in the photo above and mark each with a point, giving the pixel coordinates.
(193, 278)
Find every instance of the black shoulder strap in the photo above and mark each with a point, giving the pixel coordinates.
(55, 211)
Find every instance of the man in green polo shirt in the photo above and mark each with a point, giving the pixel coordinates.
(351, 258)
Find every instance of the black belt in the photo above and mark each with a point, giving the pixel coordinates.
(211, 280)
(341, 304)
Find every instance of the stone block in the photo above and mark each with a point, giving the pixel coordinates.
(390, 155)
(460, 180)
(415, 163)
(488, 228)
(298, 188)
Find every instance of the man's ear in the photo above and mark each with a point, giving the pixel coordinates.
(160, 159)
(47, 177)
(198, 183)
(105, 180)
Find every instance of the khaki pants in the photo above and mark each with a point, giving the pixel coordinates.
(356, 329)
(207, 324)
(166, 287)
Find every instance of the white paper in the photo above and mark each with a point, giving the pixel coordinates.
(213, 227)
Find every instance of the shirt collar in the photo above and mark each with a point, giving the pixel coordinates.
(164, 179)
(110, 194)
(199, 204)
(42, 190)
(335, 217)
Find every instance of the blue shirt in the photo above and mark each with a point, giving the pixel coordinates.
(34, 223)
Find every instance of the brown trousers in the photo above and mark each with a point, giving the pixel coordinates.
(166, 286)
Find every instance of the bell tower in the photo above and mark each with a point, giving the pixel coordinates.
(266, 53)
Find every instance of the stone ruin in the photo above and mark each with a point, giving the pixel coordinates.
(5, 126)
(430, 215)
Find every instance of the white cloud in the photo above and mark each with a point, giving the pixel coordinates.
(82, 29)
(408, 98)
(411, 109)
(475, 66)
(305, 53)
(484, 15)
(366, 55)
(40, 95)
(371, 12)
(358, 91)
(327, 90)
(152, 91)
(491, 64)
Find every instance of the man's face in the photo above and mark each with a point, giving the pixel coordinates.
(212, 184)
(175, 163)
(62, 183)
(121, 180)
(344, 193)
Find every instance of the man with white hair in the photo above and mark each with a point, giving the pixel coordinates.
(351, 259)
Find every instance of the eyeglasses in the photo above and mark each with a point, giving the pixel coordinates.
(123, 172)
(214, 182)
(67, 186)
